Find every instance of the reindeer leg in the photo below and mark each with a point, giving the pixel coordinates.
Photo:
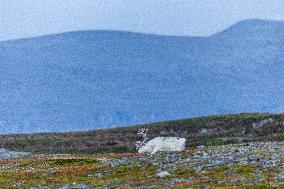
(155, 151)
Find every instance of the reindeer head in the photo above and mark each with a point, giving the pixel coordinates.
(141, 132)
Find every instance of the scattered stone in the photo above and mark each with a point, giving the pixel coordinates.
(200, 147)
(204, 131)
(75, 186)
(280, 175)
(198, 169)
(172, 157)
(163, 174)
(180, 180)
(99, 174)
(256, 158)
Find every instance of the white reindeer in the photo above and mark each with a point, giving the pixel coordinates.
(159, 144)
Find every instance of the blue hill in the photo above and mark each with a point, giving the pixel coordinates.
(99, 79)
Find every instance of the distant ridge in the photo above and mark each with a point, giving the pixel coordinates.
(102, 32)
(251, 27)
(100, 79)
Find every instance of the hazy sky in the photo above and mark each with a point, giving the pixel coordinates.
(25, 18)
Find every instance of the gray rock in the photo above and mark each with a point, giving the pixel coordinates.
(163, 174)
(5, 154)
(262, 123)
(75, 186)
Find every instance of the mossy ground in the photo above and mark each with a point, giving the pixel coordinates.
(58, 171)
(96, 171)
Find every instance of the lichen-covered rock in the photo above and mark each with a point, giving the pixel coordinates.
(163, 144)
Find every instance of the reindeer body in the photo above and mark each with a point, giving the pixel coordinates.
(163, 144)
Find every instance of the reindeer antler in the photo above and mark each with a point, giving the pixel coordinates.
(143, 132)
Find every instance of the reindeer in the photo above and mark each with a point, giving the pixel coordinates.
(162, 144)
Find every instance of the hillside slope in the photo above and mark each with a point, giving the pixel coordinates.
(100, 79)
(210, 130)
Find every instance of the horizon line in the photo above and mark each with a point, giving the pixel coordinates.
(135, 32)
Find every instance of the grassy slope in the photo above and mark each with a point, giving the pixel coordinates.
(222, 129)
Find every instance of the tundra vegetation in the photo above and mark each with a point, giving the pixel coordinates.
(226, 151)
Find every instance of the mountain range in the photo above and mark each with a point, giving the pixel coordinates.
(100, 79)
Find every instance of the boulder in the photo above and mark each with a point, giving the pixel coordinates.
(262, 123)
(163, 174)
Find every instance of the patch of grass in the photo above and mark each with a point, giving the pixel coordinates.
(74, 161)
(185, 173)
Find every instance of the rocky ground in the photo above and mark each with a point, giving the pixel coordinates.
(248, 165)
(6, 154)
